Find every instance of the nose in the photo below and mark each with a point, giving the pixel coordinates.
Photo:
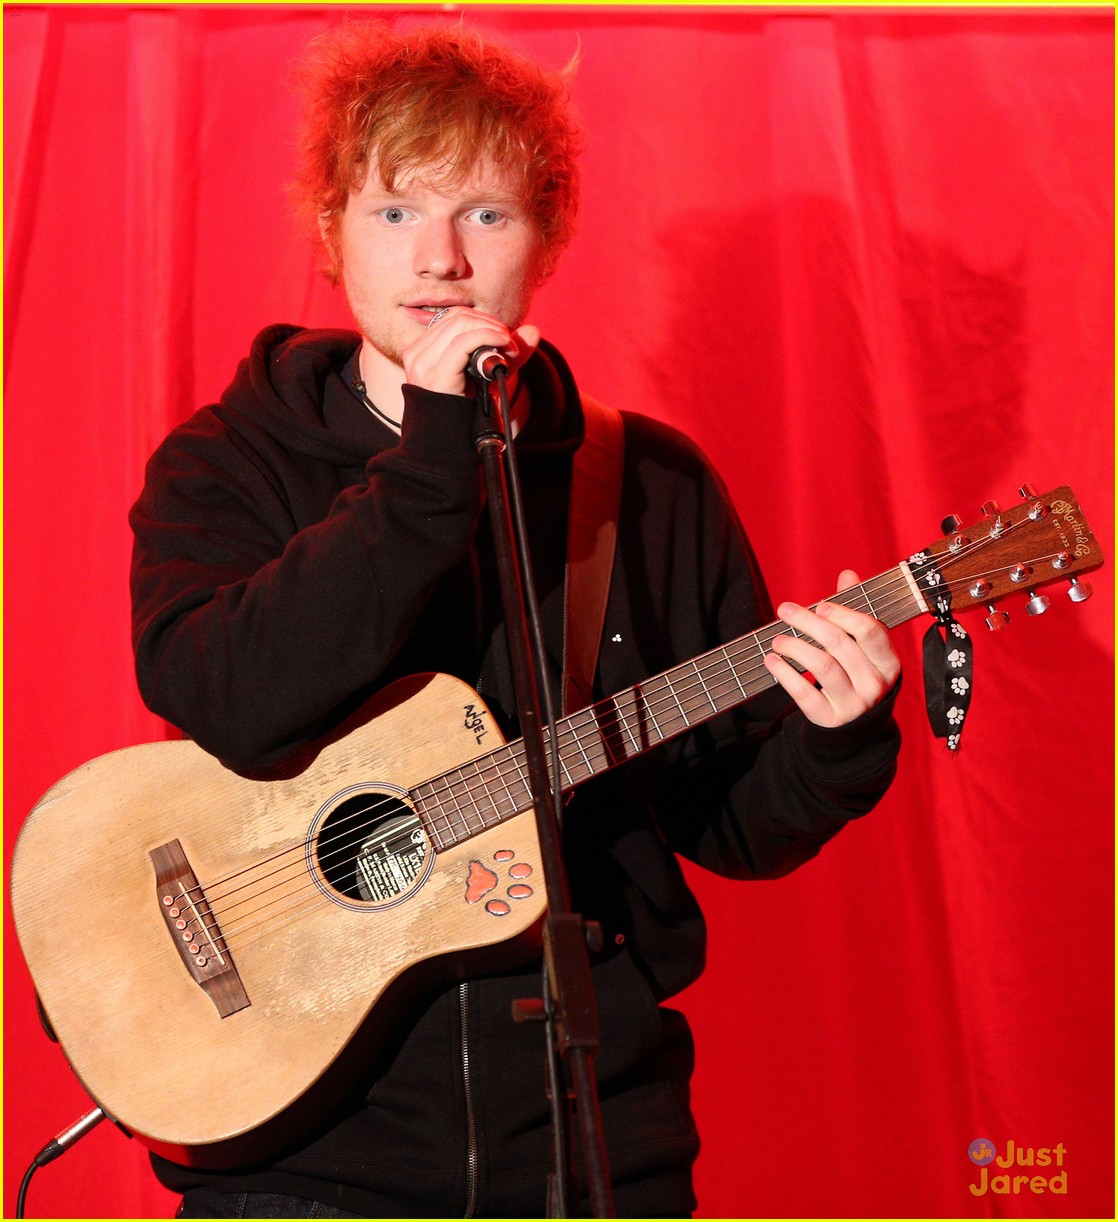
(439, 252)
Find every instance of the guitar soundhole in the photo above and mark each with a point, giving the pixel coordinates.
(372, 847)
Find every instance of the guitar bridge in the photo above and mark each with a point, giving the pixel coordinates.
(194, 929)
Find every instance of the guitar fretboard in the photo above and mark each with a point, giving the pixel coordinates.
(495, 787)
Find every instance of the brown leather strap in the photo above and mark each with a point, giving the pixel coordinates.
(591, 540)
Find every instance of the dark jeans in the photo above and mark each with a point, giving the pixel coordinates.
(209, 1203)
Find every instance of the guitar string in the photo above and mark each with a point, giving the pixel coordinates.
(517, 763)
(678, 694)
(674, 690)
(856, 593)
(894, 579)
(294, 907)
(230, 934)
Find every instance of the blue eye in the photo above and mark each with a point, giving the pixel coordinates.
(394, 216)
(488, 216)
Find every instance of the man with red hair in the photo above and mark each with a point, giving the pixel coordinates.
(319, 533)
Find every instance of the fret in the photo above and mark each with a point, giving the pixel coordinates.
(514, 777)
(765, 636)
(654, 690)
(436, 821)
(671, 688)
(573, 758)
(462, 798)
(595, 757)
(643, 715)
(626, 719)
(495, 783)
(702, 682)
(578, 742)
(616, 721)
(726, 676)
(735, 670)
(565, 775)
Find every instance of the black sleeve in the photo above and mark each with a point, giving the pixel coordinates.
(751, 801)
(250, 629)
(756, 792)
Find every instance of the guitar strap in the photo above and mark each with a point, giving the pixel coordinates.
(591, 542)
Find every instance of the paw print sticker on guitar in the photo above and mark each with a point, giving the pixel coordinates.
(481, 880)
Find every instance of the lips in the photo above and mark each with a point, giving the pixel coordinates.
(423, 311)
(433, 307)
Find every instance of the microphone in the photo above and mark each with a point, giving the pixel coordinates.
(484, 363)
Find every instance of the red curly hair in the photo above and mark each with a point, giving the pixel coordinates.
(435, 100)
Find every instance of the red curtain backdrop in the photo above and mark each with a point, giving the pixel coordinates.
(865, 258)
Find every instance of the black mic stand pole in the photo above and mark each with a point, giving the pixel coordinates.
(568, 1003)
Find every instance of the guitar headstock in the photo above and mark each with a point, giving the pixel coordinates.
(1043, 539)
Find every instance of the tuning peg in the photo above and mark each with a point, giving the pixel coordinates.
(1079, 591)
(996, 620)
(950, 526)
(991, 509)
(1038, 509)
(1038, 603)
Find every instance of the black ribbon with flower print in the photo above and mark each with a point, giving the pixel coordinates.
(948, 656)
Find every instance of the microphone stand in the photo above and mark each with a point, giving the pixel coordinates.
(567, 1005)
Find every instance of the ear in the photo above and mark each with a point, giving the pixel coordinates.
(548, 258)
(328, 232)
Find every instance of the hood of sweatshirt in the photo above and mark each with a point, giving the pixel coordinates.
(296, 384)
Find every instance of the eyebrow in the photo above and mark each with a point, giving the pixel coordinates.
(499, 195)
(472, 200)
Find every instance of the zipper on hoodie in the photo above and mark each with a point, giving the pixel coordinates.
(472, 1154)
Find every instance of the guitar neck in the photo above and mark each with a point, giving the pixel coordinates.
(494, 787)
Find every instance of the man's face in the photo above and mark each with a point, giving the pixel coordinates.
(408, 253)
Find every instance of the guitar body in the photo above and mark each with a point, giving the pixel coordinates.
(302, 949)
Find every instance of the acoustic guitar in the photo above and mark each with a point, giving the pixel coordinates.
(211, 949)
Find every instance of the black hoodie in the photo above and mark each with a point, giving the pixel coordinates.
(293, 555)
